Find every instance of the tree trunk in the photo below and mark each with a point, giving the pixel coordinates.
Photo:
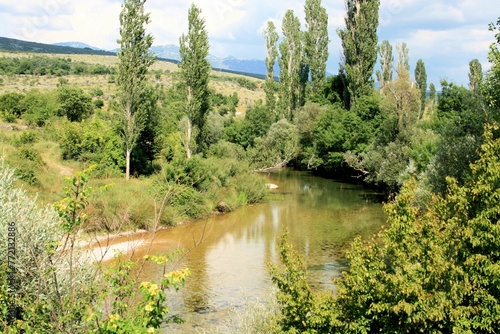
(127, 168)
(189, 129)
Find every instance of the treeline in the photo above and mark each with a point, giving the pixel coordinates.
(43, 65)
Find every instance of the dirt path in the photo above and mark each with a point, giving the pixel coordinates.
(63, 170)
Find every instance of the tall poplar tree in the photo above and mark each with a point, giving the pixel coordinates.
(271, 37)
(194, 71)
(290, 65)
(421, 80)
(432, 93)
(386, 63)
(359, 43)
(475, 75)
(403, 57)
(316, 43)
(134, 61)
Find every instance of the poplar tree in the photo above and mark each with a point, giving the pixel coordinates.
(290, 65)
(403, 57)
(194, 71)
(359, 43)
(386, 63)
(134, 61)
(432, 93)
(316, 43)
(271, 37)
(421, 80)
(475, 75)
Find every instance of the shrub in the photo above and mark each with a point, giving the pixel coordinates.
(27, 137)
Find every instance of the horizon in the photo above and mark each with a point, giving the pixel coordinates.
(444, 34)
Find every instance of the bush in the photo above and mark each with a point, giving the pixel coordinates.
(27, 137)
(74, 103)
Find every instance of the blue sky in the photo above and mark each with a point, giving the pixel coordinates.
(445, 34)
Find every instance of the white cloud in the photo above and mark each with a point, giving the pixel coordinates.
(434, 30)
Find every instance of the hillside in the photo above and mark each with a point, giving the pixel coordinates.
(168, 53)
(10, 44)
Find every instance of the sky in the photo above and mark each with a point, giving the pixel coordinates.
(445, 34)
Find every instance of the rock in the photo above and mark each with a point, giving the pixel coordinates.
(272, 186)
(223, 207)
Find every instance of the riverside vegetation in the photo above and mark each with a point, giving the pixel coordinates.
(434, 269)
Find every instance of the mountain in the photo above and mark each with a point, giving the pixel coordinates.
(78, 45)
(11, 44)
(249, 66)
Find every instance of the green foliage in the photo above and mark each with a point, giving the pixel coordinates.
(421, 80)
(290, 66)
(43, 65)
(149, 141)
(302, 311)
(256, 124)
(270, 86)
(26, 137)
(335, 132)
(316, 43)
(386, 63)
(194, 72)
(223, 104)
(434, 270)
(37, 108)
(55, 292)
(359, 43)
(277, 148)
(92, 142)
(74, 103)
(460, 122)
(387, 161)
(135, 59)
(9, 104)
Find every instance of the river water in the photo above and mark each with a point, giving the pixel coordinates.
(229, 254)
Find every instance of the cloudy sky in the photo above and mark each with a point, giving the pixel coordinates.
(445, 34)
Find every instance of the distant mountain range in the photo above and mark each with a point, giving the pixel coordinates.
(252, 67)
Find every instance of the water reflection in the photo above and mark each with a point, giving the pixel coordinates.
(228, 255)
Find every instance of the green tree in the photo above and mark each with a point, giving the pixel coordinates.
(194, 72)
(316, 43)
(74, 103)
(433, 269)
(475, 75)
(149, 142)
(271, 37)
(386, 63)
(460, 122)
(421, 80)
(403, 57)
(432, 93)
(290, 61)
(134, 61)
(10, 102)
(359, 43)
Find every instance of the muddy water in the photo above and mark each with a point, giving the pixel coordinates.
(228, 254)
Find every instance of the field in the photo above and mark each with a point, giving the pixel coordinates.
(161, 72)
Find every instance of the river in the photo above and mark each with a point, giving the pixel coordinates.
(229, 254)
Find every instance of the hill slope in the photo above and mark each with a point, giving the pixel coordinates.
(11, 44)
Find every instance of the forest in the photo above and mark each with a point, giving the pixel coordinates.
(149, 146)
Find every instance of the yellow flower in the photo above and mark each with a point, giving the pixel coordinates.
(151, 330)
(153, 289)
(114, 317)
(148, 308)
